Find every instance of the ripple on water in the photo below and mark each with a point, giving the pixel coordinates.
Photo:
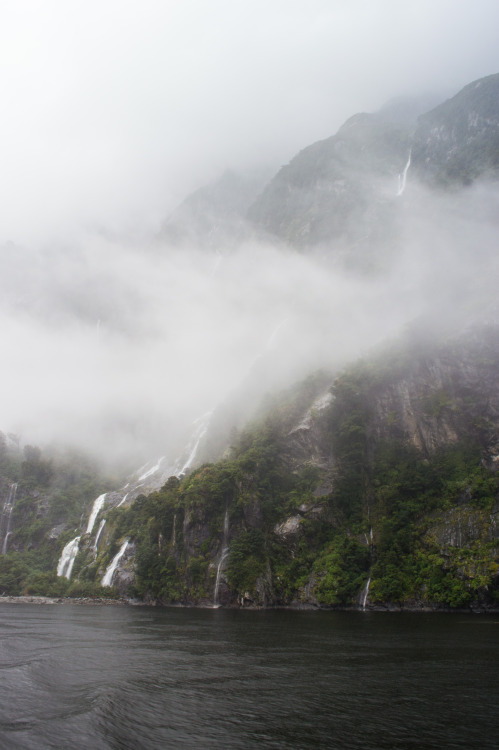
(138, 678)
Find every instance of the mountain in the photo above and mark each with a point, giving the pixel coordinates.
(375, 488)
(458, 142)
(341, 196)
(337, 191)
(214, 216)
(369, 485)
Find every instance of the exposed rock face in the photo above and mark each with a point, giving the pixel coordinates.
(339, 189)
(272, 551)
(442, 397)
(461, 526)
(305, 441)
(340, 197)
(458, 141)
(379, 487)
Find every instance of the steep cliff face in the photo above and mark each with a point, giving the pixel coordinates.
(377, 488)
(381, 491)
(458, 141)
(339, 190)
(341, 196)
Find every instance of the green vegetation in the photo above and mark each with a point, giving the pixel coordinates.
(52, 493)
(407, 508)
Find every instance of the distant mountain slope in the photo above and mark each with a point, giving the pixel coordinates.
(337, 189)
(214, 216)
(458, 141)
(340, 194)
(382, 491)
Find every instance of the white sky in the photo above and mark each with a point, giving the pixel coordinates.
(113, 110)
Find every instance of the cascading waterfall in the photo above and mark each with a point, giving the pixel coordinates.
(152, 470)
(199, 433)
(67, 558)
(99, 532)
(7, 515)
(123, 499)
(365, 591)
(223, 557)
(96, 507)
(111, 568)
(68, 554)
(403, 176)
(365, 594)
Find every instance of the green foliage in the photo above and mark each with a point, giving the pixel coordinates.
(13, 573)
(247, 561)
(341, 571)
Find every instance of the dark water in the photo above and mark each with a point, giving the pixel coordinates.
(110, 677)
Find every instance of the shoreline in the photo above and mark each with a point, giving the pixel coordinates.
(102, 602)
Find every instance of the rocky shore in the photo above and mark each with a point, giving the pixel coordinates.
(123, 602)
(87, 601)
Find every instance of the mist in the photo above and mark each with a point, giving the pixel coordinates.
(119, 348)
(116, 340)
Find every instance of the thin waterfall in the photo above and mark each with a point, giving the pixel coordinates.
(152, 470)
(199, 433)
(403, 176)
(123, 499)
(99, 532)
(96, 507)
(223, 557)
(67, 558)
(365, 594)
(7, 515)
(365, 591)
(111, 568)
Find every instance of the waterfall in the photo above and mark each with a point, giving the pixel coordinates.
(95, 512)
(365, 594)
(223, 556)
(111, 568)
(123, 499)
(403, 176)
(68, 554)
(152, 470)
(8, 507)
(199, 433)
(67, 558)
(99, 532)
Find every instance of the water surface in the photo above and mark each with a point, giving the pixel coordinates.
(124, 677)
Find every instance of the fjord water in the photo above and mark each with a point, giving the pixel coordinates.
(135, 677)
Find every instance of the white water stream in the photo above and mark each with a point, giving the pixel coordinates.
(67, 558)
(403, 176)
(223, 556)
(111, 568)
(7, 514)
(98, 503)
(199, 433)
(365, 593)
(68, 554)
(99, 532)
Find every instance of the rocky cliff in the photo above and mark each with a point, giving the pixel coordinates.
(379, 489)
(376, 486)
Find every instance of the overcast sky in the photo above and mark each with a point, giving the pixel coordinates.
(113, 110)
